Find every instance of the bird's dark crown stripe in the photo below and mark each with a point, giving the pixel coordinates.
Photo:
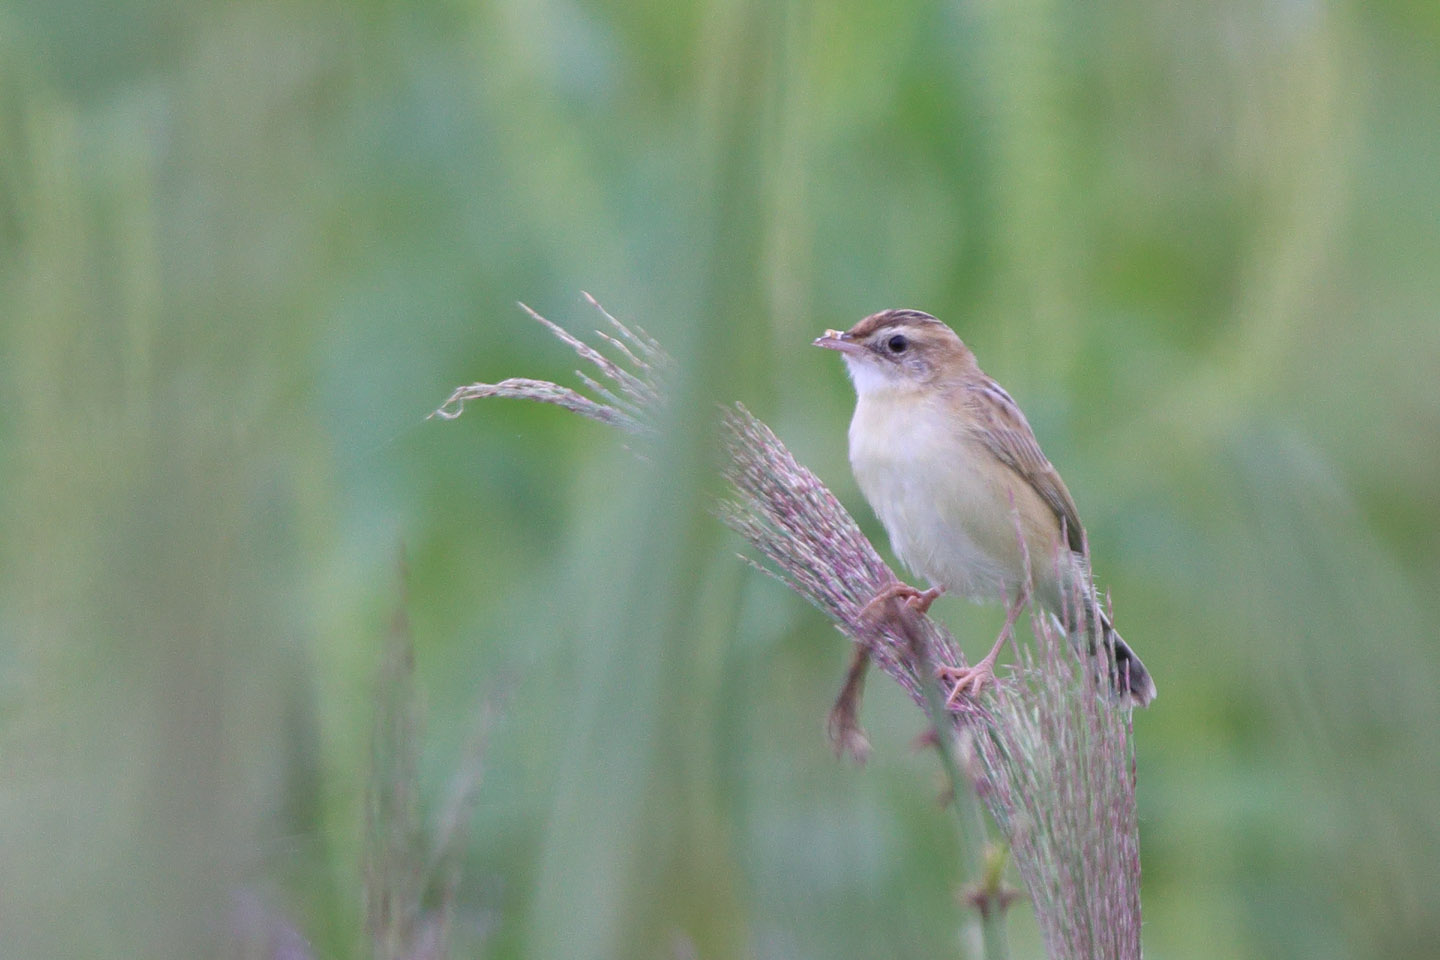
(891, 318)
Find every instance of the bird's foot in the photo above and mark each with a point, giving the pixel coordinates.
(916, 599)
(971, 680)
(966, 681)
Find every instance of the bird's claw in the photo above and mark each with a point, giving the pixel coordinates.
(966, 681)
(916, 599)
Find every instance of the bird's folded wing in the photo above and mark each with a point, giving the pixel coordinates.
(1001, 426)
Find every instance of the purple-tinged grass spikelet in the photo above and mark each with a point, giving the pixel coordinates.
(1047, 753)
(1057, 772)
(816, 548)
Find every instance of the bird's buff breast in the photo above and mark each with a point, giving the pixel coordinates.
(945, 502)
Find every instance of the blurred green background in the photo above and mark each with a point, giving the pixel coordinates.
(246, 247)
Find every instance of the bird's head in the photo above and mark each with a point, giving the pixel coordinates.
(899, 351)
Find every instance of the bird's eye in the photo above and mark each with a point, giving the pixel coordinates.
(898, 343)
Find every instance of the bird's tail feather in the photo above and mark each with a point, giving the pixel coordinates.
(1131, 681)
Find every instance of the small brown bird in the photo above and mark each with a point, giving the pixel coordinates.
(952, 469)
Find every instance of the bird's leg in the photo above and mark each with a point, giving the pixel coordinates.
(915, 599)
(843, 725)
(972, 680)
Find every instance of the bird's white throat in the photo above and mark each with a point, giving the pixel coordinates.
(872, 378)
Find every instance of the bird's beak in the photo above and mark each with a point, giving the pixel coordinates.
(835, 340)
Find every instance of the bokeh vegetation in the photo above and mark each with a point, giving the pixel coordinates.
(246, 247)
